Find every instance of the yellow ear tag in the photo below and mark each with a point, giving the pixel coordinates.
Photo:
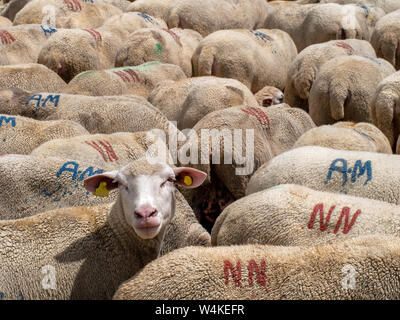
(101, 190)
(188, 180)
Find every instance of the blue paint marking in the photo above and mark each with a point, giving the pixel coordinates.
(48, 29)
(2, 295)
(358, 170)
(7, 120)
(145, 16)
(72, 166)
(39, 99)
(261, 35)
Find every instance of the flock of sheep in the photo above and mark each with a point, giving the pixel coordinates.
(199, 149)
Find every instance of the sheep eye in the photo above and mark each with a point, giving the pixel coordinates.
(126, 188)
(168, 180)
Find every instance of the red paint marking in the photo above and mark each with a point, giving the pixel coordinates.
(320, 207)
(95, 34)
(6, 37)
(78, 5)
(260, 272)
(174, 35)
(236, 274)
(71, 6)
(123, 76)
(347, 226)
(107, 147)
(346, 46)
(258, 113)
(323, 225)
(133, 74)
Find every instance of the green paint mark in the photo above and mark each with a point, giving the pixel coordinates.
(159, 49)
(84, 74)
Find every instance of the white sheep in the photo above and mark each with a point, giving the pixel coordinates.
(92, 250)
(363, 174)
(363, 268)
(291, 215)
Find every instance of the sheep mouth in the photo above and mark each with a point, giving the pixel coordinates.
(148, 231)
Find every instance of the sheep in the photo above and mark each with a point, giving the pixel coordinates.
(187, 101)
(129, 22)
(293, 215)
(344, 88)
(155, 8)
(30, 77)
(22, 44)
(201, 17)
(92, 250)
(366, 267)
(12, 8)
(109, 114)
(115, 150)
(95, 49)
(155, 44)
(363, 174)
(230, 144)
(305, 67)
(66, 13)
(21, 135)
(315, 23)
(360, 136)
(138, 80)
(387, 5)
(46, 183)
(255, 57)
(91, 50)
(386, 37)
(269, 96)
(4, 22)
(385, 107)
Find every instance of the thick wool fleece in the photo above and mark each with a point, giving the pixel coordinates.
(360, 136)
(30, 77)
(66, 13)
(316, 23)
(21, 135)
(385, 107)
(344, 89)
(385, 38)
(256, 58)
(362, 268)
(288, 215)
(139, 80)
(22, 44)
(386, 5)
(362, 174)
(305, 67)
(112, 114)
(189, 100)
(155, 8)
(155, 44)
(231, 14)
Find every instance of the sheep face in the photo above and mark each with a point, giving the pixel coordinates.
(146, 193)
(269, 96)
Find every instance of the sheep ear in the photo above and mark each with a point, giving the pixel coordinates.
(189, 177)
(101, 184)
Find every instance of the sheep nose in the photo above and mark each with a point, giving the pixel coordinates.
(145, 212)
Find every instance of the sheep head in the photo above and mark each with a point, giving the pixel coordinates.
(146, 192)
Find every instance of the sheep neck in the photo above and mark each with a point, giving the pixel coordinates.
(144, 250)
